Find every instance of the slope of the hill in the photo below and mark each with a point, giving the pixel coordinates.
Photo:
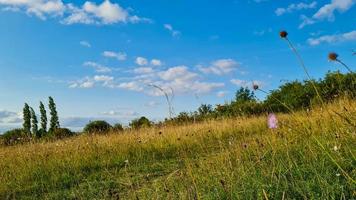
(310, 156)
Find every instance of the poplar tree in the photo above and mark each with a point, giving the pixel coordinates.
(34, 123)
(27, 119)
(54, 121)
(43, 118)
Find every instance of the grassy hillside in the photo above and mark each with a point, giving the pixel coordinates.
(310, 156)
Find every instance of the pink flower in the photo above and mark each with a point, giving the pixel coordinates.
(272, 121)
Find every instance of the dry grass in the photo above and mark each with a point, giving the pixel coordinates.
(310, 156)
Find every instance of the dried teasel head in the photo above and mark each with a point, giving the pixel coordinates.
(283, 34)
(333, 56)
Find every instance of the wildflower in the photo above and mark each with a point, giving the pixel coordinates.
(126, 161)
(272, 121)
(283, 34)
(338, 174)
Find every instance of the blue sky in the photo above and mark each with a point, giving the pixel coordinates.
(99, 58)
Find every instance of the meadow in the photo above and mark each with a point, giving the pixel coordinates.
(311, 155)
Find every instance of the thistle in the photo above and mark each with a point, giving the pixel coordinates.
(334, 58)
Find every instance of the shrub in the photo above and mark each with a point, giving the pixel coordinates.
(118, 127)
(140, 123)
(60, 133)
(97, 127)
(14, 136)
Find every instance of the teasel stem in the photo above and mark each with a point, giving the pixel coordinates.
(342, 63)
(304, 67)
(169, 100)
(279, 101)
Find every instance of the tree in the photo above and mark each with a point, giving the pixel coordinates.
(140, 123)
(34, 123)
(54, 121)
(205, 109)
(118, 127)
(43, 117)
(27, 119)
(97, 127)
(244, 95)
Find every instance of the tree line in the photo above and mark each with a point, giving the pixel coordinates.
(290, 96)
(30, 122)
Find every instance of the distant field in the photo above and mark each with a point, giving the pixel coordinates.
(312, 155)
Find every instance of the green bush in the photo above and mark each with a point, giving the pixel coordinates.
(14, 136)
(60, 133)
(97, 127)
(118, 128)
(140, 123)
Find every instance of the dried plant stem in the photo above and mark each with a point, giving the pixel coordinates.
(342, 63)
(279, 101)
(170, 108)
(304, 67)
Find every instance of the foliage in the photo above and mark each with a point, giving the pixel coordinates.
(141, 122)
(43, 117)
(290, 96)
(118, 128)
(54, 121)
(27, 119)
(60, 133)
(244, 95)
(34, 123)
(98, 127)
(14, 136)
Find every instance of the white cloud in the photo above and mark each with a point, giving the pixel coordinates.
(133, 85)
(178, 74)
(103, 78)
(88, 13)
(327, 11)
(350, 36)
(141, 61)
(90, 82)
(152, 104)
(220, 67)
(117, 55)
(170, 28)
(86, 83)
(295, 7)
(39, 8)
(98, 67)
(156, 62)
(85, 43)
(9, 117)
(244, 83)
(180, 79)
(143, 70)
(120, 114)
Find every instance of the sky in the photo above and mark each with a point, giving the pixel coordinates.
(100, 59)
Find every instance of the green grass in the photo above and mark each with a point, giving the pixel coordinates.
(310, 156)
